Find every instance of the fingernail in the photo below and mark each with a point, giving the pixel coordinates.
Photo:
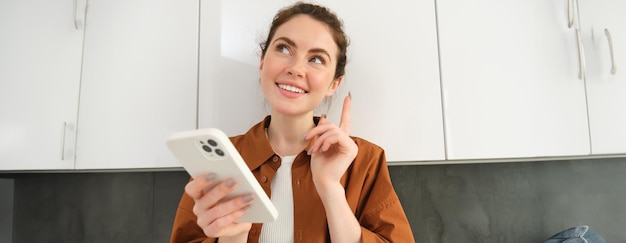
(247, 198)
(209, 177)
(208, 188)
(304, 137)
(230, 182)
(308, 152)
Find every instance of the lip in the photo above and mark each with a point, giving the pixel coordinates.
(288, 93)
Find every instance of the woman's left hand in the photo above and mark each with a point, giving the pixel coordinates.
(333, 150)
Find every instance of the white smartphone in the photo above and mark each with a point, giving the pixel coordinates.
(209, 150)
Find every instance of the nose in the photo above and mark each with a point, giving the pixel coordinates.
(296, 68)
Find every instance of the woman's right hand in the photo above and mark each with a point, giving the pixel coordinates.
(216, 215)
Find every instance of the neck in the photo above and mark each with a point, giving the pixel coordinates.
(285, 133)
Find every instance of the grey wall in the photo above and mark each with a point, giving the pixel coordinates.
(513, 202)
(6, 210)
(96, 207)
(507, 202)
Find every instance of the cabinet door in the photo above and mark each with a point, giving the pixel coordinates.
(392, 72)
(510, 78)
(602, 24)
(139, 82)
(40, 60)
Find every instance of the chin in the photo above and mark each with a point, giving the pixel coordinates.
(289, 111)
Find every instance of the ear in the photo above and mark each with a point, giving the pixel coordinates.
(261, 63)
(333, 86)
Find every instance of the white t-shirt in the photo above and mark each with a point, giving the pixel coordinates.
(281, 230)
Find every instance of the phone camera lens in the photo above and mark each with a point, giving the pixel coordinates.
(212, 142)
(219, 152)
(207, 148)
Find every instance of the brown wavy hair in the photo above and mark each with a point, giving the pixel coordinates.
(319, 13)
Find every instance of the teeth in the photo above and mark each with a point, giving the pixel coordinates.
(291, 88)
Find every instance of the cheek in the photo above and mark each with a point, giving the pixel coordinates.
(269, 75)
(323, 80)
(270, 68)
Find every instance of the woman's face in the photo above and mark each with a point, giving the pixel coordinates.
(298, 67)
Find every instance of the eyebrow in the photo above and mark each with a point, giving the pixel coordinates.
(314, 50)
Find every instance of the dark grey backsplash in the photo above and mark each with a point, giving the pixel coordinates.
(513, 202)
(6, 210)
(96, 207)
(500, 202)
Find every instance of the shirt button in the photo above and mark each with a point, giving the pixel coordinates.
(298, 181)
(252, 231)
(263, 179)
(275, 158)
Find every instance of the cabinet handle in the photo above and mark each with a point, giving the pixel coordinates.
(570, 13)
(63, 141)
(608, 36)
(581, 56)
(78, 22)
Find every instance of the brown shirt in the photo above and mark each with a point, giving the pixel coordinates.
(368, 187)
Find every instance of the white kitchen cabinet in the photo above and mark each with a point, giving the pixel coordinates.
(40, 62)
(510, 80)
(604, 36)
(392, 72)
(139, 82)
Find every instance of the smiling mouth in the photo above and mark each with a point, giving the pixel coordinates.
(291, 88)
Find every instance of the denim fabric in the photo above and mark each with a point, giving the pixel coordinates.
(578, 234)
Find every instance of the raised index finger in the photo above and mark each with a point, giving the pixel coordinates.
(344, 123)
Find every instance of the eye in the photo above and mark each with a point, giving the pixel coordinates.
(317, 60)
(282, 49)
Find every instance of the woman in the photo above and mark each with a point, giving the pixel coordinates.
(326, 185)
